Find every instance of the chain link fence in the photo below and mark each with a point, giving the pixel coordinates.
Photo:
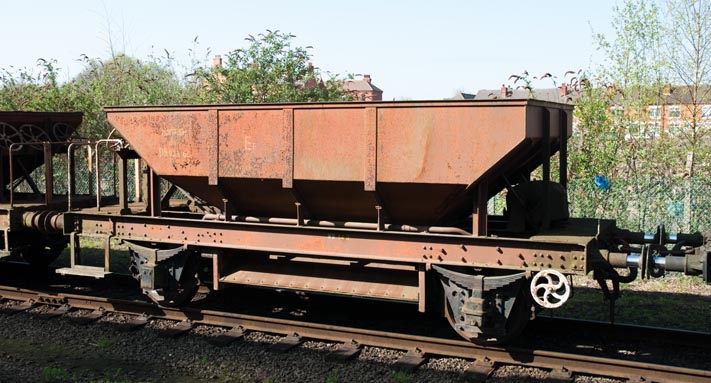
(85, 176)
(681, 205)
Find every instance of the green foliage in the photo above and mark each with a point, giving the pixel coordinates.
(104, 343)
(271, 69)
(122, 80)
(25, 90)
(687, 47)
(400, 377)
(55, 375)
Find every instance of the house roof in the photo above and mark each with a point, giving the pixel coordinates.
(683, 95)
(362, 85)
(463, 96)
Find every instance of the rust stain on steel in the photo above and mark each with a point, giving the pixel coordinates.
(213, 144)
(422, 249)
(253, 144)
(173, 143)
(383, 284)
(446, 145)
(370, 122)
(426, 153)
(288, 152)
(329, 145)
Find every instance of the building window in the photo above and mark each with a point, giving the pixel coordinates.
(706, 111)
(652, 130)
(675, 128)
(654, 112)
(674, 111)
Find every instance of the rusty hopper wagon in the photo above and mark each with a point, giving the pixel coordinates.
(28, 141)
(378, 200)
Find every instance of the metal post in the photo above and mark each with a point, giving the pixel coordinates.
(154, 193)
(563, 137)
(2, 179)
(74, 250)
(123, 185)
(98, 176)
(48, 173)
(137, 180)
(71, 176)
(12, 176)
(546, 159)
(480, 215)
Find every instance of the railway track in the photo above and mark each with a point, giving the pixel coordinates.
(562, 365)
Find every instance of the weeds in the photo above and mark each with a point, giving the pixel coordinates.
(400, 377)
(104, 342)
(55, 375)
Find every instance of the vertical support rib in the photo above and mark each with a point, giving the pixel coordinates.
(479, 217)
(287, 181)
(546, 160)
(422, 290)
(216, 263)
(97, 169)
(563, 137)
(71, 176)
(154, 193)
(12, 175)
(370, 123)
(123, 185)
(2, 179)
(138, 181)
(107, 253)
(48, 173)
(213, 149)
(74, 250)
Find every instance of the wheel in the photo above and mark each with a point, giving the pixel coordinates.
(43, 252)
(486, 309)
(183, 292)
(175, 280)
(515, 323)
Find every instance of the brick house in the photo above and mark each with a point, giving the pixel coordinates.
(363, 89)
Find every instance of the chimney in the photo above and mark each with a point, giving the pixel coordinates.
(310, 67)
(667, 90)
(563, 90)
(504, 91)
(217, 61)
(366, 77)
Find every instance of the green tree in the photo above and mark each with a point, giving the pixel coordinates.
(616, 136)
(122, 80)
(688, 52)
(271, 69)
(26, 90)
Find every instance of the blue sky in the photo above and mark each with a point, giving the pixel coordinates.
(412, 49)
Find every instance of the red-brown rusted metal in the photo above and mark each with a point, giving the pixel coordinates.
(570, 254)
(26, 132)
(419, 161)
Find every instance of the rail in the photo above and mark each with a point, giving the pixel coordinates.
(488, 356)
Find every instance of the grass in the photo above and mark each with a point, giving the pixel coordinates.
(104, 342)
(56, 375)
(400, 377)
(92, 254)
(654, 302)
